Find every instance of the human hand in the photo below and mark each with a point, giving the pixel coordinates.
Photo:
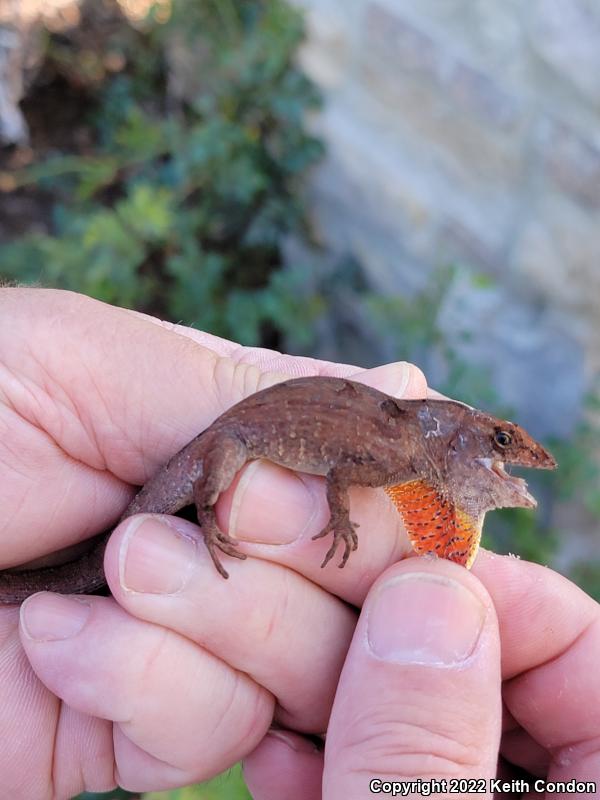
(442, 677)
(93, 400)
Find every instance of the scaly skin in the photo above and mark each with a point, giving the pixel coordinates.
(440, 462)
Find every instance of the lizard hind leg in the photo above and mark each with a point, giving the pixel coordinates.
(339, 523)
(226, 457)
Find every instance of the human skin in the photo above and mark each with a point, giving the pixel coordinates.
(179, 674)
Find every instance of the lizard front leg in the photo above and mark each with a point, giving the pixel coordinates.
(227, 456)
(339, 523)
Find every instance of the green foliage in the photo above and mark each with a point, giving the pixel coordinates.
(182, 206)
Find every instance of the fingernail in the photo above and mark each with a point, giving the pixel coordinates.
(47, 617)
(277, 496)
(421, 618)
(156, 557)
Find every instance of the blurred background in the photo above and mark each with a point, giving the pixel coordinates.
(358, 180)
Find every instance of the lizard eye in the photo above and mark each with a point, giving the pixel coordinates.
(502, 438)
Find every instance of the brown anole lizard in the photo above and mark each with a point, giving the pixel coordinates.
(440, 461)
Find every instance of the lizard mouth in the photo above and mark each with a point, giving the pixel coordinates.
(516, 485)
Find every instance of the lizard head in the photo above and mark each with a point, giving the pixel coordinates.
(478, 453)
(466, 451)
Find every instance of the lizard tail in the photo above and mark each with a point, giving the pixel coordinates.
(85, 574)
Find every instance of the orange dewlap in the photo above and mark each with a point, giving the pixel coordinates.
(434, 524)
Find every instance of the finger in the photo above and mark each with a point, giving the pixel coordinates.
(267, 505)
(266, 621)
(551, 634)
(180, 714)
(49, 750)
(419, 694)
(284, 765)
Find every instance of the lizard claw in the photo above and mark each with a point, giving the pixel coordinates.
(215, 540)
(344, 530)
(330, 553)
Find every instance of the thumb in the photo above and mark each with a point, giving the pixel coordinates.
(420, 693)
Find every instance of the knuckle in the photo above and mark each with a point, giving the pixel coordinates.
(421, 745)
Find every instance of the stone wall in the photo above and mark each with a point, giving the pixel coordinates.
(468, 131)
